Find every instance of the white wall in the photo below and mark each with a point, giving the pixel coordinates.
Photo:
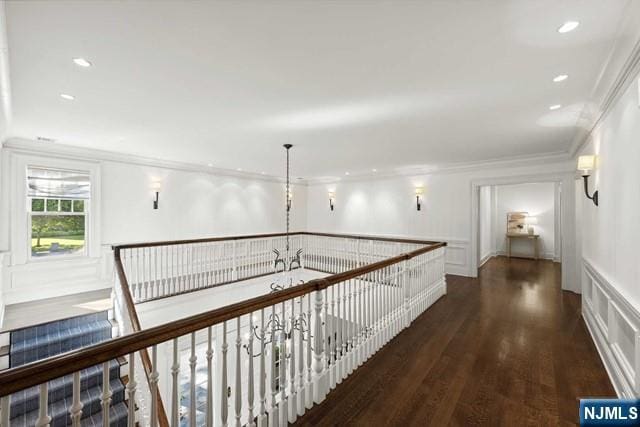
(485, 223)
(610, 235)
(538, 199)
(611, 231)
(193, 203)
(386, 206)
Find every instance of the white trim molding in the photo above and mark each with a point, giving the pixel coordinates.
(614, 325)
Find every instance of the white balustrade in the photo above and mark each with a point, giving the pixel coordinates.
(304, 346)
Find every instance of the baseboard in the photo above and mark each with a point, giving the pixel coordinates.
(547, 255)
(486, 258)
(614, 325)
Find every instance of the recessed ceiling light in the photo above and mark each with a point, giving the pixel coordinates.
(374, 170)
(555, 107)
(67, 96)
(263, 173)
(560, 78)
(239, 169)
(568, 26)
(346, 173)
(209, 164)
(45, 139)
(81, 62)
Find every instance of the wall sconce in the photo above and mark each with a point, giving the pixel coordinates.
(156, 188)
(332, 197)
(419, 193)
(586, 164)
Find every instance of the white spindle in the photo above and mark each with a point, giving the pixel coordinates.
(333, 339)
(238, 390)
(131, 391)
(43, 413)
(153, 385)
(224, 394)
(5, 405)
(105, 398)
(175, 386)
(301, 389)
(309, 382)
(192, 381)
(319, 389)
(250, 394)
(273, 413)
(75, 411)
(209, 379)
(262, 416)
(282, 375)
(293, 397)
(343, 334)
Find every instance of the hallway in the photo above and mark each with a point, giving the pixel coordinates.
(507, 348)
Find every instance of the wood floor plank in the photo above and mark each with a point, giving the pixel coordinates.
(508, 348)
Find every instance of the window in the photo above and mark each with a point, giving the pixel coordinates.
(58, 202)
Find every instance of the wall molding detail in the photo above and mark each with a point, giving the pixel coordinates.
(614, 325)
(26, 146)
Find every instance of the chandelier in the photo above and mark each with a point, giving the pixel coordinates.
(280, 327)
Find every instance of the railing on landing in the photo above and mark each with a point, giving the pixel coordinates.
(304, 339)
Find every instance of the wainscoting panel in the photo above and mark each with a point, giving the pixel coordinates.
(615, 328)
(54, 278)
(457, 257)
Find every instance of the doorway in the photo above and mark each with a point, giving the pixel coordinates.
(519, 220)
(563, 241)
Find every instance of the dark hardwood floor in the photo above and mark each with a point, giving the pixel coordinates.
(509, 348)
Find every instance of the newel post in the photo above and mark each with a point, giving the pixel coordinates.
(406, 292)
(319, 388)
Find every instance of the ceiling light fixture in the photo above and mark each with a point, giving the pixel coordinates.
(568, 26)
(374, 170)
(81, 62)
(346, 173)
(560, 78)
(555, 107)
(67, 96)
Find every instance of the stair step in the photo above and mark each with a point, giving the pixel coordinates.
(60, 388)
(59, 410)
(58, 341)
(117, 417)
(55, 326)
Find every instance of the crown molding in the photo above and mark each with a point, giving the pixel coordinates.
(624, 78)
(451, 168)
(52, 149)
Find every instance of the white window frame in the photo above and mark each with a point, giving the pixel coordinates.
(20, 225)
(86, 213)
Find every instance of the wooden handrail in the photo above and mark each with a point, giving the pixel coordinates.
(16, 379)
(163, 420)
(269, 235)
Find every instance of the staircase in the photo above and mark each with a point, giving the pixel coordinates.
(39, 342)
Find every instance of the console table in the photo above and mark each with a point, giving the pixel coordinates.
(531, 237)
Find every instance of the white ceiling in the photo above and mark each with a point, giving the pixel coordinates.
(354, 85)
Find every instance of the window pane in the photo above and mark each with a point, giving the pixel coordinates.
(78, 205)
(37, 205)
(65, 205)
(57, 234)
(52, 205)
